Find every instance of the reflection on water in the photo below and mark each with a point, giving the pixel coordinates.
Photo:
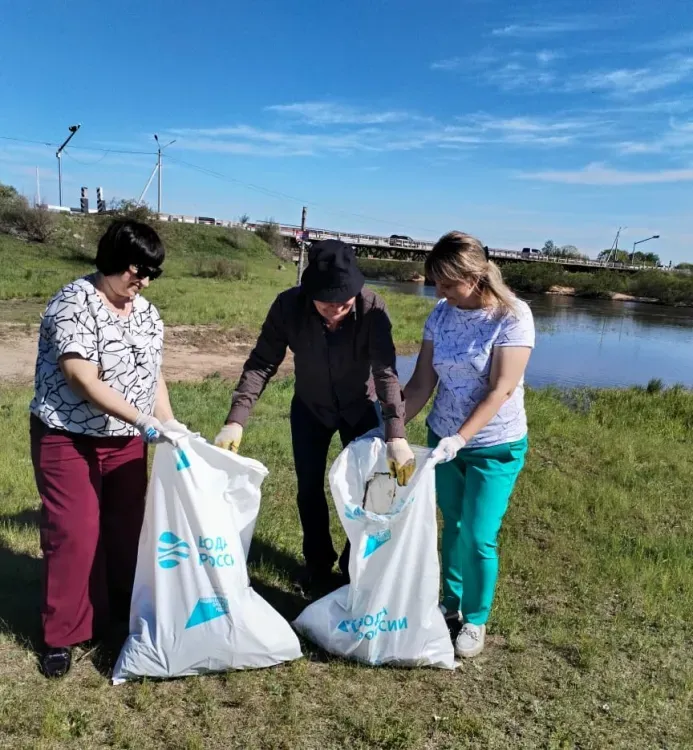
(600, 343)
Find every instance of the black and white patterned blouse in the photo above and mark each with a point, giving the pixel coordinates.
(127, 351)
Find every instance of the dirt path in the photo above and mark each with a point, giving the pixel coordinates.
(191, 353)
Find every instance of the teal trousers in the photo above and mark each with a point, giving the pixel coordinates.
(473, 494)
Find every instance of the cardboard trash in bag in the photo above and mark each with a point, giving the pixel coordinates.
(389, 613)
(193, 610)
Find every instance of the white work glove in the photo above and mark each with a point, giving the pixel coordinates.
(149, 427)
(401, 461)
(448, 448)
(229, 438)
(173, 425)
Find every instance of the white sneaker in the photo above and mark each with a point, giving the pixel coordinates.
(470, 641)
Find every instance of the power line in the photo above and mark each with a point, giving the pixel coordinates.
(114, 150)
(26, 140)
(50, 144)
(277, 194)
(86, 163)
(218, 175)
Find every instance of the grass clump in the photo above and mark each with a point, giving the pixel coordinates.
(221, 268)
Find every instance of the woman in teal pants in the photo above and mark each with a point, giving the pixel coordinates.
(475, 348)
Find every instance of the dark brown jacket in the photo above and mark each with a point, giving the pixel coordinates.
(337, 374)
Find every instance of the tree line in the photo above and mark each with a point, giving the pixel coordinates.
(552, 250)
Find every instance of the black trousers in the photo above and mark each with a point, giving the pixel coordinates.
(311, 442)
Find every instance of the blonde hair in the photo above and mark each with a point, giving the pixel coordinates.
(460, 257)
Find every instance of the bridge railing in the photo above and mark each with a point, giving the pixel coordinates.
(370, 240)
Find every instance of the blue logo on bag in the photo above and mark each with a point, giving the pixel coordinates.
(172, 550)
(375, 541)
(208, 609)
(369, 626)
(182, 461)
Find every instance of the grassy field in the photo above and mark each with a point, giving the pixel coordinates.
(212, 276)
(591, 637)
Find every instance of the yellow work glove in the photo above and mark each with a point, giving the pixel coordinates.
(401, 461)
(229, 438)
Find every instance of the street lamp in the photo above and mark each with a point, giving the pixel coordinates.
(160, 149)
(73, 129)
(639, 242)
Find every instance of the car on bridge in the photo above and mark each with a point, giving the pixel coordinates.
(400, 240)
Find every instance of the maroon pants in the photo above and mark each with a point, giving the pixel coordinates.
(92, 492)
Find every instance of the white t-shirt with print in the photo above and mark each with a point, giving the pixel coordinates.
(127, 351)
(463, 341)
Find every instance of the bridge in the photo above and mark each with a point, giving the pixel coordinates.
(399, 248)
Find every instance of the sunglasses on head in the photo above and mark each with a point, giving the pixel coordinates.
(147, 272)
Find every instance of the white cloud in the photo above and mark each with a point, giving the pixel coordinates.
(530, 124)
(598, 174)
(328, 113)
(547, 28)
(547, 56)
(638, 147)
(678, 138)
(515, 76)
(470, 131)
(629, 81)
(522, 70)
(676, 106)
(452, 63)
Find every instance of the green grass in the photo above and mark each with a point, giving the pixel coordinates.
(591, 634)
(246, 277)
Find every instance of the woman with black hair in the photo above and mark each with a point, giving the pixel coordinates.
(99, 398)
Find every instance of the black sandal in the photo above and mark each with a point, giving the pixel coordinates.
(56, 662)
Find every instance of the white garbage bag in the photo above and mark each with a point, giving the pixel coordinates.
(389, 613)
(193, 610)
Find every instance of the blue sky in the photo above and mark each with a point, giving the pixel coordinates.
(560, 120)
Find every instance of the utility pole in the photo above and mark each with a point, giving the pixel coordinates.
(160, 148)
(639, 242)
(73, 129)
(614, 246)
(158, 200)
(301, 247)
(38, 188)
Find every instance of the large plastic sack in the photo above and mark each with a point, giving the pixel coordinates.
(389, 613)
(193, 610)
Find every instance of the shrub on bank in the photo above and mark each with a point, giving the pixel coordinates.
(387, 270)
(599, 285)
(534, 277)
(668, 288)
(19, 218)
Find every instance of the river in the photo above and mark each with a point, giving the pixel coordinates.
(599, 343)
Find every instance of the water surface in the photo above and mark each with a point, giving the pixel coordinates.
(599, 343)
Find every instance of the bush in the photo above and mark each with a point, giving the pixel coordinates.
(269, 232)
(221, 268)
(597, 285)
(402, 271)
(131, 209)
(534, 277)
(35, 224)
(39, 224)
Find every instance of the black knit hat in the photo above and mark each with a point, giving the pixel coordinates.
(332, 274)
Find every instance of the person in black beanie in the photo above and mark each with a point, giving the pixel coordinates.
(344, 361)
